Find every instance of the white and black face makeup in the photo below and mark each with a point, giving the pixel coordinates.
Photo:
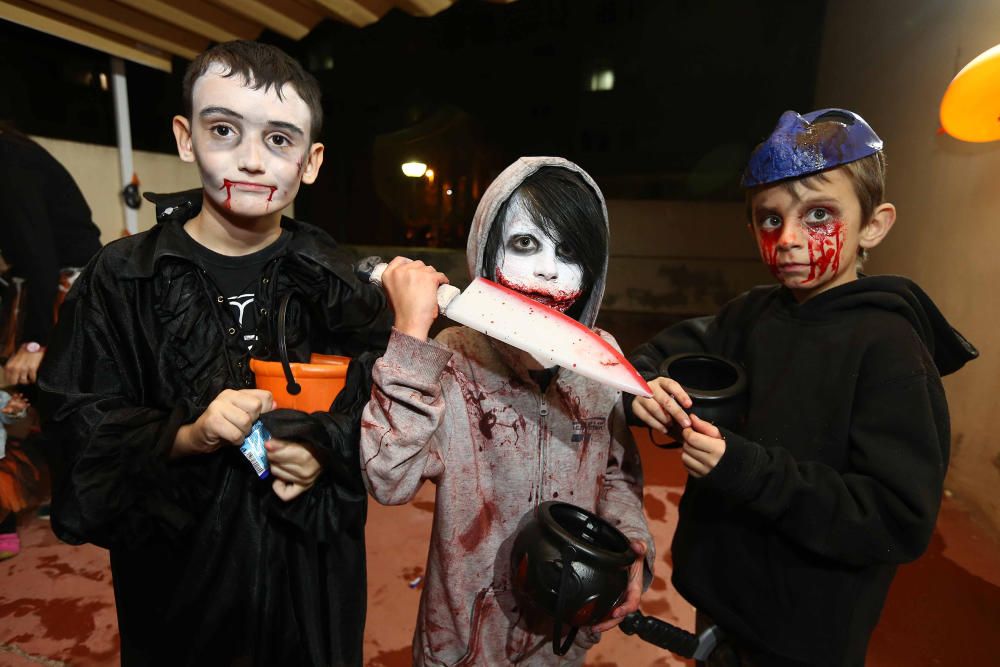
(252, 146)
(532, 263)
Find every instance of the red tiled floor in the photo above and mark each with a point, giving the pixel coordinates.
(57, 606)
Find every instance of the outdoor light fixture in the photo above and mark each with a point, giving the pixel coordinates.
(970, 108)
(414, 169)
(602, 79)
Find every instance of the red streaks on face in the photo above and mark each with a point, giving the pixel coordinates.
(227, 185)
(825, 242)
(768, 242)
(560, 300)
(611, 363)
(479, 528)
(825, 245)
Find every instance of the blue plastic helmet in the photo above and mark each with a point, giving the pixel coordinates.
(805, 144)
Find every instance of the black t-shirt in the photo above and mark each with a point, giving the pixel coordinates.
(237, 279)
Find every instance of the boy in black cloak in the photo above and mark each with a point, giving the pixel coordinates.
(147, 381)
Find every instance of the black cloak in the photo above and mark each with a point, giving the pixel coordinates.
(210, 566)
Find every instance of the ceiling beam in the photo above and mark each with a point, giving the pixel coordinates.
(285, 17)
(125, 21)
(66, 27)
(424, 7)
(207, 20)
(354, 12)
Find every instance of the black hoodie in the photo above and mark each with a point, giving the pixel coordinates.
(790, 543)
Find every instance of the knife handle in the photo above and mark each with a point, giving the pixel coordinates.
(445, 293)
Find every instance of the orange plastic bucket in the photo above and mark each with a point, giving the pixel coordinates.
(320, 381)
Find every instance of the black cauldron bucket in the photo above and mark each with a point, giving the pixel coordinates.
(716, 385)
(572, 565)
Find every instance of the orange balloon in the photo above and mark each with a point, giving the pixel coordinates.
(970, 108)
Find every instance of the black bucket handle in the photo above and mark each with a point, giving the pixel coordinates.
(292, 387)
(568, 554)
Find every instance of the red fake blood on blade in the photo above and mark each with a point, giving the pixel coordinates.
(825, 245)
(479, 528)
(569, 322)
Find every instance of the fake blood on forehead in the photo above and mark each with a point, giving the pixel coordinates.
(561, 300)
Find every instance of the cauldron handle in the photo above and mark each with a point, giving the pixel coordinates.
(292, 386)
(567, 569)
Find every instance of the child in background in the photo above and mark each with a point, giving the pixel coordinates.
(790, 532)
(13, 407)
(494, 430)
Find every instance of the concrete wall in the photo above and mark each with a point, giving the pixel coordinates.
(891, 62)
(95, 170)
(671, 258)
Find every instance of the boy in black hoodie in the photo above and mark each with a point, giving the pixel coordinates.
(791, 530)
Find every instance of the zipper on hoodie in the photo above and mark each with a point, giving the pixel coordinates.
(543, 413)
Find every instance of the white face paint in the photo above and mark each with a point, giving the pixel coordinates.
(252, 147)
(531, 263)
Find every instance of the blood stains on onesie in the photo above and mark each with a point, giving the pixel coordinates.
(479, 528)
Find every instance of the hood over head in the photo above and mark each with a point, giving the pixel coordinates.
(499, 191)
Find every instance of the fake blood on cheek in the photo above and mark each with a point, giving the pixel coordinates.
(769, 249)
(825, 245)
(826, 242)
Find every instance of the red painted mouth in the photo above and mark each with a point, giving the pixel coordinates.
(228, 186)
(559, 300)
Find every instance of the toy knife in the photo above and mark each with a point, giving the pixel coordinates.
(551, 337)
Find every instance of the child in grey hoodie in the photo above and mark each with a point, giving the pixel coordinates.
(496, 431)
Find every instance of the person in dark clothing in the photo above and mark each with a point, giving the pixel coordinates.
(47, 228)
(147, 380)
(45, 236)
(791, 530)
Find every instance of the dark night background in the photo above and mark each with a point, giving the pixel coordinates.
(696, 86)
